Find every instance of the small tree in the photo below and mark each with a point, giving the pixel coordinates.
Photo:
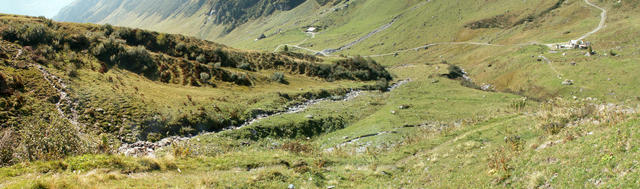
(286, 48)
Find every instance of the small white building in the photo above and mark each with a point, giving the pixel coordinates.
(311, 29)
(574, 44)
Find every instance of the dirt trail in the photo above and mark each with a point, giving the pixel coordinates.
(349, 45)
(58, 84)
(603, 20)
(558, 74)
(433, 44)
(326, 52)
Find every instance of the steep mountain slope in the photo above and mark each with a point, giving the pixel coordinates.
(182, 16)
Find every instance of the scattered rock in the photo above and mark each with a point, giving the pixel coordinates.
(574, 63)
(331, 187)
(309, 116)
(291, 186)
(262, 36)
(487, 87)
(567, 82)
(402, 107)
(145, 148)
(393, 112)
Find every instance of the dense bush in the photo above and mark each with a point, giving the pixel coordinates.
(131, 49)
(292, 130)
(455, 72)
(138, 60)
(29, 34)
(108, 49)
(359, 68)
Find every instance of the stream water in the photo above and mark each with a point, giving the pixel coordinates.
(145, 148)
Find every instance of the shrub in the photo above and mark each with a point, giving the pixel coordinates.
(245, 66)
(201, 58)
(5, 88)
(278, 77)
(297, 147)
(78, 42)
(137, 59)
(241, 79)
(520, 104)
(8, 140)
(500, 163)
(108, 29)
(72, 72)
(204, 76)
(29, 34)
(455, 72)
(358, 68)
(108, 50)
(181, 48)
(181, 150)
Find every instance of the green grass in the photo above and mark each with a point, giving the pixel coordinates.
(448, 136)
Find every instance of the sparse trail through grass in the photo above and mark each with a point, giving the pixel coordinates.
(558, 74)
(57, 83)
(433, 44)
(460, 136)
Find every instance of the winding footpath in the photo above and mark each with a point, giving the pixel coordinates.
(58, 84)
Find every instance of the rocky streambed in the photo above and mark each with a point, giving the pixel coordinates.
(145, 148)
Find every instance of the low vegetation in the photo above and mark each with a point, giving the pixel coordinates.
(484, 106)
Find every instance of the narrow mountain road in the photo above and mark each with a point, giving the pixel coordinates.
(603, 20)
(326, 52)
(349, 45)
(433, 44)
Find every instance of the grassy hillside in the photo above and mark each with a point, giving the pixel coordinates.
(482, 99)
(110, 85)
